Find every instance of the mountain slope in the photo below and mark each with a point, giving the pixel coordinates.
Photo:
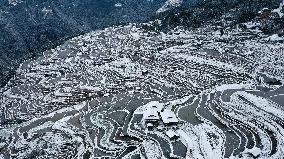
(199, 12)
(29, 27)
(88, 97)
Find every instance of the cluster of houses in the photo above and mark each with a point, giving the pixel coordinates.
(155, 115)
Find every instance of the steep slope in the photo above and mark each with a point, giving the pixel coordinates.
(28, 27)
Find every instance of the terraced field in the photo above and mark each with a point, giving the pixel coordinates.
(88, 98)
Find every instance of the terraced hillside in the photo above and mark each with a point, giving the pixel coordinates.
(129, 92)
(28, 27)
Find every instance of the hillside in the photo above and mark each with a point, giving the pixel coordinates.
(29, 27)
(180, 85)
(90, 96)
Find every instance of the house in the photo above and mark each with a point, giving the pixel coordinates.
(168, 117)
(151, 116)
(155, 107)
(172, 135)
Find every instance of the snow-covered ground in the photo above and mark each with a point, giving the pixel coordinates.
(169, 4)
(15, 2)
(86, 98)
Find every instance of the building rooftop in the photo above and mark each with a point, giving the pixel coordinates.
(151, 114)
(171, 134)
(168, 117)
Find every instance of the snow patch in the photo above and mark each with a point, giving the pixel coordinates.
(15, 2)
(118, 5)
(168, 5)
(278, 10)
(274, 37)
